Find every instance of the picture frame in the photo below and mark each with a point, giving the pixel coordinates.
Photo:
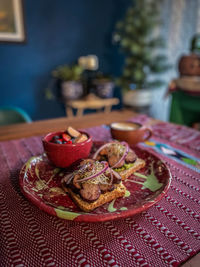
(12, 28)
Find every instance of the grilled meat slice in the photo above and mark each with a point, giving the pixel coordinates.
(104, 151)
(90, 192)
(106, 187)
(131, 157)
(75, 181)
(116, 177)
(113, 159)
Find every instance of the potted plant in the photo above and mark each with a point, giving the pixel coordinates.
(144, 58)
(103, 85)
(69, 81)
(95, 82)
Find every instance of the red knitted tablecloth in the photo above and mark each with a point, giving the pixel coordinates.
(165, 235)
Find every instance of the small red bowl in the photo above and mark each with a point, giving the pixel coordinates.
(63, 155)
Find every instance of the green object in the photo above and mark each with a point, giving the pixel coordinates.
(143, 51)
(151, 182)
(11, 115)
(68, 73)
(190, 161)
(123, 208)
(185, 108)
(127, 193)
(195, 44)
(111, 206)
(63, 73)
(126, 166)
(67, 215)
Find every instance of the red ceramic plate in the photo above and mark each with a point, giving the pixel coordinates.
(40, 183)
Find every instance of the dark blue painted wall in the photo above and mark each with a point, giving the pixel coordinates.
(58, 32)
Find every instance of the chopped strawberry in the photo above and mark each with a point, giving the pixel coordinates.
(66, 137)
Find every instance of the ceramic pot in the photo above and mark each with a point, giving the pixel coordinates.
(104, 88)
(71, 90)
(138, 98)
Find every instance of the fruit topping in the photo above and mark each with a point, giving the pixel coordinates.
(58, 141)
(66, 137)
(80, 138)
(71, 136)
(72, 132)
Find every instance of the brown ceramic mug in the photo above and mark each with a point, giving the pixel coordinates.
(131, 132)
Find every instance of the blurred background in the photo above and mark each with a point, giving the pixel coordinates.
(66, 50)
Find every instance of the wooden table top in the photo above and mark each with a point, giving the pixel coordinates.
(16, 131)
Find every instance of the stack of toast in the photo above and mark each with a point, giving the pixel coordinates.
(100, 180)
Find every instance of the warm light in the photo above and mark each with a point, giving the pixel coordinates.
(89, 62)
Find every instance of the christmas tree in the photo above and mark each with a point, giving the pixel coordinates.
(144, 58)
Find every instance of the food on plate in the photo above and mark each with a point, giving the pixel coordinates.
(71, 136)
(120, 157)
(93, 184)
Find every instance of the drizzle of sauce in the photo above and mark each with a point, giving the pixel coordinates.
(28, 164)
(140, 175)
(40, 182)
(57, 190)
(111, 206)
(127, 193)
(123, 208)
(151, 182)
(39, 185)
(55, 171)
(66, 214)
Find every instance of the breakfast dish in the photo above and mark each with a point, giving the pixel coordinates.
(63, 148)
(70, 136)
(120, 157)
(93, 184)
(40, 182)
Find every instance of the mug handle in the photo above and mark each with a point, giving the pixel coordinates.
(149, 131)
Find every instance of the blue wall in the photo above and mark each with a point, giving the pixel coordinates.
(58, 32)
